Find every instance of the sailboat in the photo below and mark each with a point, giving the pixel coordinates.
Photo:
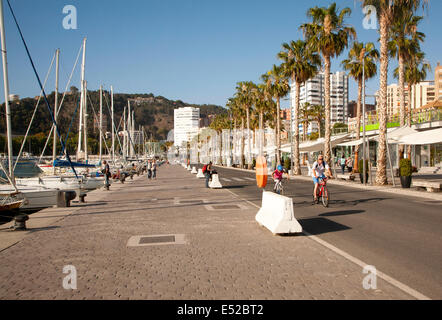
(84, 182)
(33, 197)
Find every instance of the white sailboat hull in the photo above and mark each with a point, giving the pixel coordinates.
(37, 197)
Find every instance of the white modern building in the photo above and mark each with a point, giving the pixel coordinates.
(313, 92)
(186, 124)
(422, 93)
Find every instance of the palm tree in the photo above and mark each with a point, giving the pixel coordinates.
(415, 71)
(305, 115)
(318, 116)
(278, 86)
(364, 54)
(404, 44)
(262, 104)
(328, 35)
(237, 112)
(300, 64)
(220, 123)
(245, 96)
(387, 11)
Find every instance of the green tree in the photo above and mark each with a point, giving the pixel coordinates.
(329, 36)
(387, 12)
(363, 54)
(301, 63)
(277, 85)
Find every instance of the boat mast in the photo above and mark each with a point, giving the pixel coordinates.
(129, 130)
(6, 89)
(124, 135)
(101, 120)
(54, 144)
(112, 125)
(81, 118)
(133, 133)
(85, 121)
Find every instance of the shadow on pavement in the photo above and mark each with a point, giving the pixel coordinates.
(356, 202)
(341, 213)
(317, 226)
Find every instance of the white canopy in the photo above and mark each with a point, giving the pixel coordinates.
(393, 136)
(421, 138)
(317, 145)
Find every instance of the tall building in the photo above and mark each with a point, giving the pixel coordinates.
(313, 92)
(186, 124)
(421, 94)
(438, 82)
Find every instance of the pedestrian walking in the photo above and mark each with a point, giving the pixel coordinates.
(149, 169)
(107, 174)
(342, 162)
(154, 169)
(350, 164)
(207, 172)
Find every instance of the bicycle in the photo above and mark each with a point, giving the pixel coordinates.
(322, 192)
(278, 188)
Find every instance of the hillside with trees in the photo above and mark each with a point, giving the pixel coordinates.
(155, 113)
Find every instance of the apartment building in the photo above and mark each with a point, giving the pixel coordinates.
(186, 124)
(313, 92)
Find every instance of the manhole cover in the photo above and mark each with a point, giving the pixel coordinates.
(156, 240)
(162, 239)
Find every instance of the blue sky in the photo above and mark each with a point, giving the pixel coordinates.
(192, 50)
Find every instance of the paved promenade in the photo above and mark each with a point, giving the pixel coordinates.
(226, 254)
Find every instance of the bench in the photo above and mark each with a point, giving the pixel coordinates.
(430, 185)
(348, 177)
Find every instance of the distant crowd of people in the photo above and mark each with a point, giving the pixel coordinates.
(150, 166)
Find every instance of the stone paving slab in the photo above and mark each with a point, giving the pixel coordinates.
(227, 255)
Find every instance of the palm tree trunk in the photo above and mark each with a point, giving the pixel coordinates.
(242, 144)
(249, 165)
(296, 162)
(221, 147)
(327, 142)
(402, 90)
(402, 99)
(278, 129)
(358, 124)
(381, 174)
(410, 112)
(319, 120)
(261, 133)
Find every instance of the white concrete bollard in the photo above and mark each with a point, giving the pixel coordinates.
(276, 214)
(189, 168)
(194, 170)
(200, 174)
(215, 184)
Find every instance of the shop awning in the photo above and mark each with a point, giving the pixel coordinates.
(422, 138)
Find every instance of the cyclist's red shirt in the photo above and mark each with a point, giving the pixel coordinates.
(278, 174)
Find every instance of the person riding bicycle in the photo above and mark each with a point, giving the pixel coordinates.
(318, 169)
(277, 175)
